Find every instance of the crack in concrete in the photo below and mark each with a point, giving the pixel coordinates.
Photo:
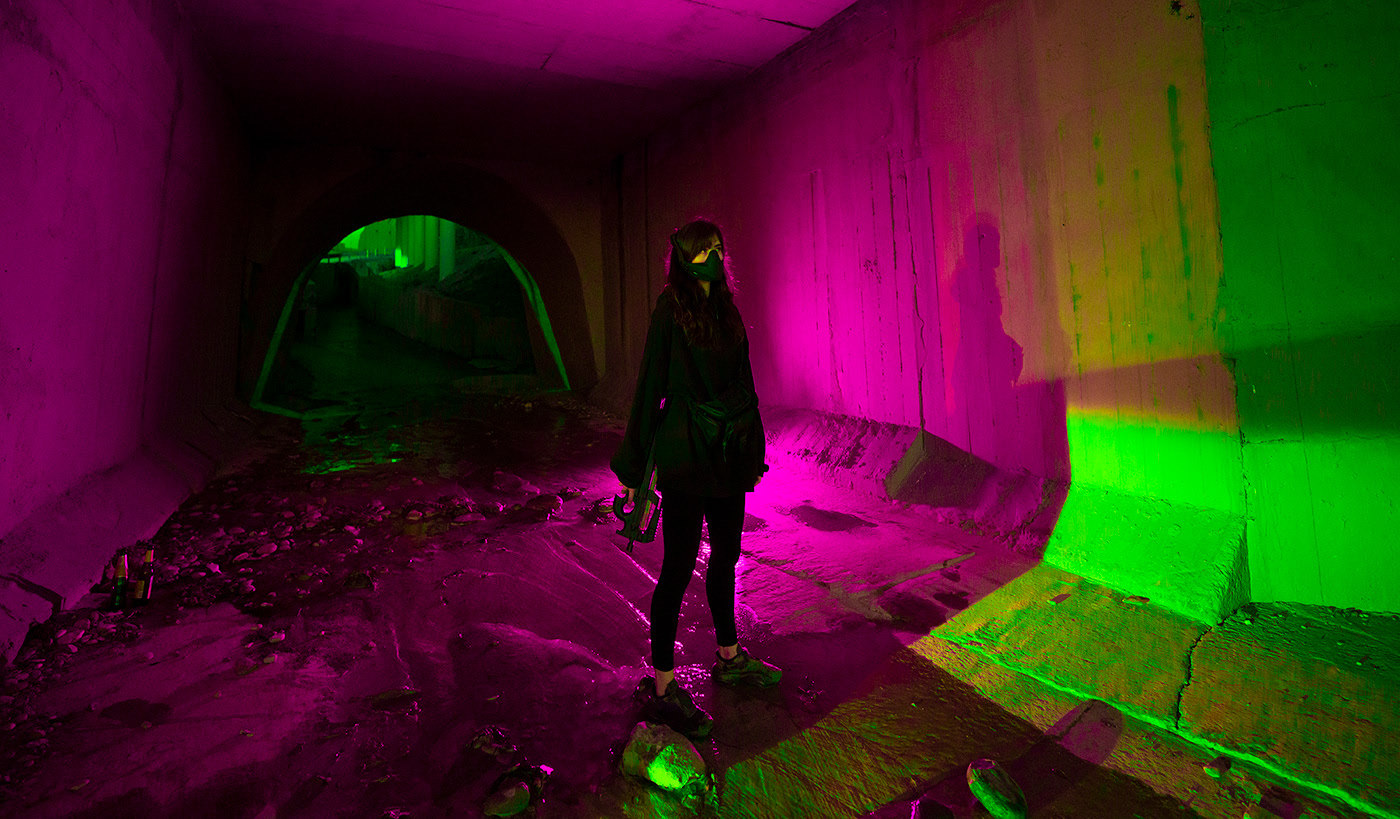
(403, 665)
(787, 23)
(1365, 98)
(1049, 490)
(861, 602)
(45, 593)
(1181, 692)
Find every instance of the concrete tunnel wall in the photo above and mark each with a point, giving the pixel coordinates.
(1304, 111)
(123, 176)
(994, 222)
(149, 243)
(998, 223)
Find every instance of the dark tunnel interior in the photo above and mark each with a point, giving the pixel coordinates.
(412, 305)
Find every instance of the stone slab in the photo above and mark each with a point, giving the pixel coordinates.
(58, 552)
(853, 453)
(1308, 688)
(1306, 692)
(891, 461)
(1187, 558)
(1084, 637)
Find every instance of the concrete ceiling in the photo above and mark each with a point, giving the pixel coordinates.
(565, 80)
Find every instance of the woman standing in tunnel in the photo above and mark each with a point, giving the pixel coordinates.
(695, 404)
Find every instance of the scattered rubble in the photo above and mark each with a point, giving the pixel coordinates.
(517, 790)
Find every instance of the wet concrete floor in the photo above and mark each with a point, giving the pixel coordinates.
(384, 612)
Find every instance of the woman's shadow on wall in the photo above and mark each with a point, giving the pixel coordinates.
(1004, 465)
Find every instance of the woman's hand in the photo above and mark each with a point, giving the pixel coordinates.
(631, 494)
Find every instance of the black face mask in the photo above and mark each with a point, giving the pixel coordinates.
(710, 270)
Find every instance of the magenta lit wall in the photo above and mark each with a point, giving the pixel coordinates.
(994, 222)
(122, 175)
(874, 186)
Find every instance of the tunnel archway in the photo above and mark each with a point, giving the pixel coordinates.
(408, 307)
(400, 185)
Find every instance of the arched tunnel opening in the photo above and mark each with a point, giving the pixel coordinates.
(407, 309)
(328, 333)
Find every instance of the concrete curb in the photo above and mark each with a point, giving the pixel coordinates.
(1300, 691)
(1196, 563)
(54, 556)
(903, 463)
(1197, 566)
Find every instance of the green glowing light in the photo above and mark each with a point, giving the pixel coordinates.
(327, 467)
(257, 398)
(1157, 508)
(414, 241)
(532, 292)
(665, 773)
(1169, 726)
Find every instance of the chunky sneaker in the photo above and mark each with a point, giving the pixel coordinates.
(745, 670)
(676, 710)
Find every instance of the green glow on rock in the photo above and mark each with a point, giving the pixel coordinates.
(1167, 726)
(665, 773)
(327, 467)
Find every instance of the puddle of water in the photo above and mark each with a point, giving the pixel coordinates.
(826, 520)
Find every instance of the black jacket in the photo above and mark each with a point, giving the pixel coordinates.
(672, 373)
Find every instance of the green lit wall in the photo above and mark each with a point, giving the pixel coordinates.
(1304, 117)
(996, 222)
(1156, 500)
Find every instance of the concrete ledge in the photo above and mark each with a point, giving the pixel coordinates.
(57, 553)
(1078, 635)
(852, 453)
(1305, 691)
(1310, 688)
(890, 461)
(54, 556)
(1019, 507)
(1187, 558)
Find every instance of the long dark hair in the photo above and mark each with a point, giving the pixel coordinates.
(711, 322)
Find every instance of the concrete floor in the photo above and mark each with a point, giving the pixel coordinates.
(344, 614)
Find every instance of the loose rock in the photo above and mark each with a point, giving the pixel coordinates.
(659, 755)
(506, 482)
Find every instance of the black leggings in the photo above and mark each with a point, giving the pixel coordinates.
(680, 531)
